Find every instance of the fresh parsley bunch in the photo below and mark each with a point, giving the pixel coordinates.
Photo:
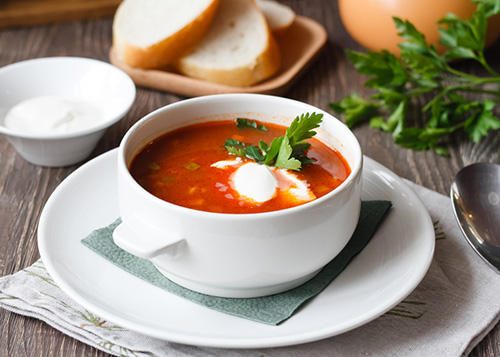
(422, 72)
(286, 152)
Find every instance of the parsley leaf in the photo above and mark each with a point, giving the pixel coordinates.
(273, 150)
(284, 159)
(302, 127)
(254, 153)
(246, 123)
(235, 147)
(483, 121)
(233, 142)
(288, 151)
(238, 148)
(420, 73)
(355, 108)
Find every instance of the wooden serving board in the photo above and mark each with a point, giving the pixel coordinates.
(299, 45)
(35, 12)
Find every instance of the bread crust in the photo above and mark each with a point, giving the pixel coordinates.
(165, 52)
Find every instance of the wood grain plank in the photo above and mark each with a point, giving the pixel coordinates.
(36, 12)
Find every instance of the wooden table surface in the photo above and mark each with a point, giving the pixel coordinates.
(24, 188)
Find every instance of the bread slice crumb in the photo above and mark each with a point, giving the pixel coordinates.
(238, 49)
(279, 17)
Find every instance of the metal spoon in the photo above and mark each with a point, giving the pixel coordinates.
(475, 197)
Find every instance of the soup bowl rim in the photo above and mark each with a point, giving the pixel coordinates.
(356, 169)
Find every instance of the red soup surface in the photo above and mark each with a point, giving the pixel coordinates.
(177, 167)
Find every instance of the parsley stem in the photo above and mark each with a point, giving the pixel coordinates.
(415, 92)
(471, 80)
(483, 91)
(463, 87)
(485, 64)
(461, 74)
(494, 78)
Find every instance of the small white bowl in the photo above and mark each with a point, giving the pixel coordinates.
(101, 84)
(237, 255)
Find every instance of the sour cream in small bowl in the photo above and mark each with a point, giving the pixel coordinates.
(54, 110)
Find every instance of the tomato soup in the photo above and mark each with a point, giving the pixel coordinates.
(191, 167)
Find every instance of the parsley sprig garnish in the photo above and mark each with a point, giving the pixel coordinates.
(286, 152)
(424, 73)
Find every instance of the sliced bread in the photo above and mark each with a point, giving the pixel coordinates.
(238, 49)
(279, 17)
(154, 33)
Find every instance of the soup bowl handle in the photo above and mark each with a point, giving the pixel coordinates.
(149, 243)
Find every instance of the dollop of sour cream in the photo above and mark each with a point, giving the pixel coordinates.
(255, 182)
(259, 183)
(52, 114)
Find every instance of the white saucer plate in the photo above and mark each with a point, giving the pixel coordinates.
(381, 276)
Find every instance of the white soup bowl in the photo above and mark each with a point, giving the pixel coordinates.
(236, 255)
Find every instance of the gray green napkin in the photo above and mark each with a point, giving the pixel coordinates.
(272, 309)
